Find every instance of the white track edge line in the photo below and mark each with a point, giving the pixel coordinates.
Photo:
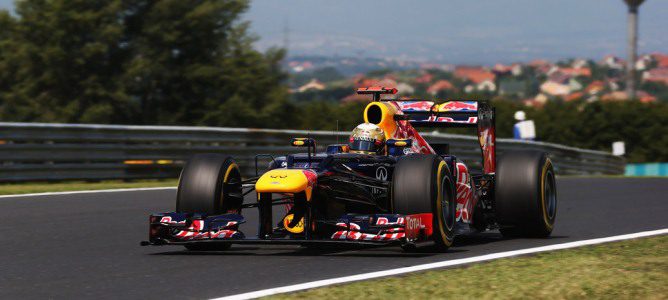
(88, 192)
(441, 264)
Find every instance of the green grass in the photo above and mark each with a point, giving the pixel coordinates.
(43, 187)
(636, 269)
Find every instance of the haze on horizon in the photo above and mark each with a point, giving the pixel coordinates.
(457, 31)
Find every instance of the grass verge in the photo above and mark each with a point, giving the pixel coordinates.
(43, 187)
(635, 269)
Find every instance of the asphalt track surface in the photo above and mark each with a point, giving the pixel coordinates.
(87, 245)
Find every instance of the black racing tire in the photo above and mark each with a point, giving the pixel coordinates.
(525, 194)
(424, 184)
(209, 184)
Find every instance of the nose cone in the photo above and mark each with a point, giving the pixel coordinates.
(286, 181)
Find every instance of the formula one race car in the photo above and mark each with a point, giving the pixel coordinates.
(406, 192)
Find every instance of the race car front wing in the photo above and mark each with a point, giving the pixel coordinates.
(183, 228)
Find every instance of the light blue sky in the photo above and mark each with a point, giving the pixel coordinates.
(457, 31)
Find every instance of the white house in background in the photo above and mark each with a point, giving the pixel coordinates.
(405, 89)
(555, 88)
(579, 63)
(486, 85)
(314, 84)
(643, 63)
(613, 62)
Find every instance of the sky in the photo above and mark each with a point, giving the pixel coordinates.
(455, 31)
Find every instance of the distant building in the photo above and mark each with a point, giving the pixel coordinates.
(659, 75)
(595, 88)
(645, 97)
(661, 60)
(537, 101)
(424, 78)
(405, 88)
(613, 62)
(555, 88)
(644, 62)
(642, 96)
(438, 86)
(298, 67)
(367, 82)
(314, 84)
(482, 79)
(615, 96)
(560, 84)
(514, 70)
(579, 63)
(574, 96)
(500, 69)
(586, 72)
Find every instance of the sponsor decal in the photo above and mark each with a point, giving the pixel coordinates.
(299, 228)
(416, 105)
(413, 224)
(459, 106)
(464, 194)
(386, 221)
(417, 224)
(470, 120)
(168, 220)
(381, 173)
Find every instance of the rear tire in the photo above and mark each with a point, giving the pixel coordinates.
(424, 184)
(526, 195)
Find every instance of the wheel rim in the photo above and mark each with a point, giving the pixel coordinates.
(550, 196)
(232, 190)
(446, 204)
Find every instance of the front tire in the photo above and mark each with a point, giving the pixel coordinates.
(424, 184)
(209, 184)
(526, 194)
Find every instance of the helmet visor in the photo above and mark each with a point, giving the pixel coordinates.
(361, 145)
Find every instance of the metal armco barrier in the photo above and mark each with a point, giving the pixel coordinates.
(39, 151)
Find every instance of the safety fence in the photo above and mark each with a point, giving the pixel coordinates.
(51, 152)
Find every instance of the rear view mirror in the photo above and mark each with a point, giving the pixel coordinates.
(303, 142)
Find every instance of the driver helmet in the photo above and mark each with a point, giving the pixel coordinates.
(367, 138)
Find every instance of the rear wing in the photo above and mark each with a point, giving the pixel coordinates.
(456, 114)
(464, 113)
(422, 113)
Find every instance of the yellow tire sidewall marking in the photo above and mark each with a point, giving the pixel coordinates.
(231, 167)
(543, 203)
(439, 205)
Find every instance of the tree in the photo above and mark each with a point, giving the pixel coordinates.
(138, 61)
(190, 57)
(65, 58)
